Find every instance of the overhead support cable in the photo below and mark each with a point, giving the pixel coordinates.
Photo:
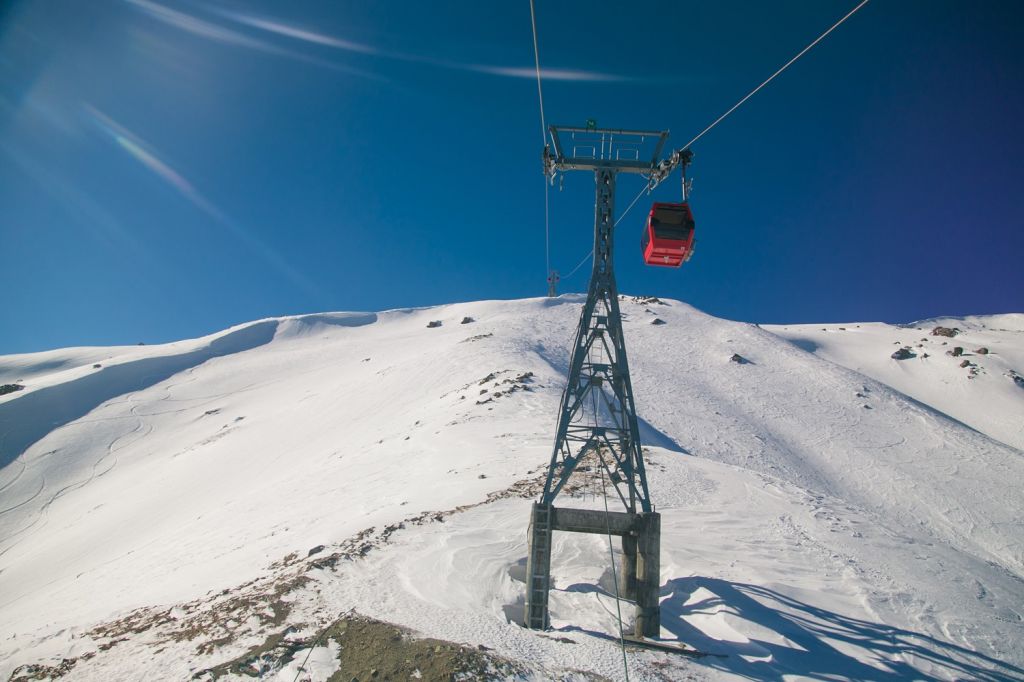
(543, 141)
(663, 169)
(617, 221)
(540, 91)
(579, 265)
(772, 77)
(631, 204)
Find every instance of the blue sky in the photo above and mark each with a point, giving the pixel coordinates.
(168, 169)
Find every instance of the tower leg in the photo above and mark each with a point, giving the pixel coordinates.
(648, 609)
(628, 574)
(538, 567)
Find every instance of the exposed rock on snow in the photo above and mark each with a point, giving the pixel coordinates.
(10, 388)
(506, 386)
(903, 354)
(366, 649)
(643, 300)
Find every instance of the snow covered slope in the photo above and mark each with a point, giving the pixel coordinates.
(181, 507)
(980, 387)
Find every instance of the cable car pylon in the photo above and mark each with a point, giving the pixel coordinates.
(553, 279)
(597, 416)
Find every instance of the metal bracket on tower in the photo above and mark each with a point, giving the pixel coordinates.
(680, 157)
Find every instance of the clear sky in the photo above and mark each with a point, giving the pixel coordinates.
(168, 169)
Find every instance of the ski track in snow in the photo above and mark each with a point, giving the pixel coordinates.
(804, 534)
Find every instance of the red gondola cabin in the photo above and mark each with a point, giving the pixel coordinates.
(668, 236)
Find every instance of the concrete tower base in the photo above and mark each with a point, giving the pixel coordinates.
(640, 577)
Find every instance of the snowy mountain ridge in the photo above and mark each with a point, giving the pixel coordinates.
(165, 510)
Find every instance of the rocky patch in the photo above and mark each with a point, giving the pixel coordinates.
(10, 388)
(258, 611)
(643, 300)
(508, 387)
(35, 671)
(371, 649)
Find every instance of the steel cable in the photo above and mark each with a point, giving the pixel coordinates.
(579, 265)
(543, 141)
(772, 77)
(615, 575)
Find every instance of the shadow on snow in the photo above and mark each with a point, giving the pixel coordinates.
(815, 639)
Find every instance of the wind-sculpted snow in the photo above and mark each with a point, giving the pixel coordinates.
(31, 416)
(178, 507)
(302, 325)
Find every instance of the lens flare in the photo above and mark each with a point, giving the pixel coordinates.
(144, 154)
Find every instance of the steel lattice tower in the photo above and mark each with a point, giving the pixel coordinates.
(597, 415)
(597, 409)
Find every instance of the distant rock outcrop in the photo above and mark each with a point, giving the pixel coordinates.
(903, 354)
(433, 323)
(645, 300)
(945, 331)
(10, 388)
